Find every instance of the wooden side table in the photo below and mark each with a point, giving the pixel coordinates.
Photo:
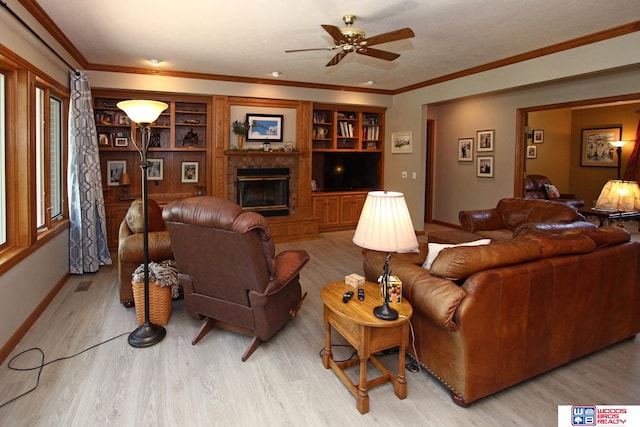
(368, 334)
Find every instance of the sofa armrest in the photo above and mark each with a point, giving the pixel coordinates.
(436, 298)
(483, 219)
(131, 249)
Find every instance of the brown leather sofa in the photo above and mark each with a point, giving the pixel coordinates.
(534, 189)
(229, 270)
(130, 244)
(489, 317)
(512, 215)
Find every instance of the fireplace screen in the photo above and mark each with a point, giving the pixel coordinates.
(263, 190)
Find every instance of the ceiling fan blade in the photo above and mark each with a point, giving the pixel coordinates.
(316, 48)
(337, 58)
(377, 53)
(335, 33)
(391, 36)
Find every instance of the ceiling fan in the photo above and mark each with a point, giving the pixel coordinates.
(353, 39)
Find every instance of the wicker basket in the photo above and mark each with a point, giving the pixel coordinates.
(159, 302)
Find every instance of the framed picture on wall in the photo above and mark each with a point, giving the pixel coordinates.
(532, 152)
(485, 140)
(265, 127)
(465, 150)
(155, 172)
(596, 150)
(485, 167)
(538, 136)
(402, 142)
(115, 169)
(189, 172)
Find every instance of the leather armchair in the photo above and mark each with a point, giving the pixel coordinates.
(130, 244)
(534, 189)
(229, 271)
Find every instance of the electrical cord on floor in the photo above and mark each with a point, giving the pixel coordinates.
(42, 364)
(415, 366)
(321, 352)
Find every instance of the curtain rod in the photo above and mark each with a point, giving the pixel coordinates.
(24, 24)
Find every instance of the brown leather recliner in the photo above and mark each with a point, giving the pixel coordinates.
(229, 271)
(130, 244)
(534, 189)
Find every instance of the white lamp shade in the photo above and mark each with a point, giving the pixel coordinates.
(619, 195)
(385, 224)
(142, 111)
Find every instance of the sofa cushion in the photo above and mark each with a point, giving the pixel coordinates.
(461, 262)
(604, 236)
(552, 191)
(435, 248)
(559, 244)
(515, 212)
(135, 220)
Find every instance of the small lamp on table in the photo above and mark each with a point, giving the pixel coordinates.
(385, 225)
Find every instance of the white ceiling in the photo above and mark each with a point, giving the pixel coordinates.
(247, 38)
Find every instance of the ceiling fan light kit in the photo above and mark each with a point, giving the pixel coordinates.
(354, 39)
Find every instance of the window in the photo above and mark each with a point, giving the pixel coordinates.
(49, 167)
(3, 168)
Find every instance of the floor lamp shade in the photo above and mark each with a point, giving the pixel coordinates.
(619, 195)
(385, 224)
(142, 111)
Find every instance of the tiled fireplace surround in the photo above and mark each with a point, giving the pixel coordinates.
(272, 160)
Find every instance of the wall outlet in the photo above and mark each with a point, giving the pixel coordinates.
(404, 174)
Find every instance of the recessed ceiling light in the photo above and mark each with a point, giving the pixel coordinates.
(370, 82)
(276, 74)
(155, 62)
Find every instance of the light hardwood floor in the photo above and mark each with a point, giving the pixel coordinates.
(282, 384)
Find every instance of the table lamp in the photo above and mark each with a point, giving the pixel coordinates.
(143, 113)
(619, 196)
(385, 225)
(125, 182)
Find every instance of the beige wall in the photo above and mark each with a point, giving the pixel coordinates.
(554, 154)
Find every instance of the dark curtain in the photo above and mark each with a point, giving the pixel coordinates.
(632, 171)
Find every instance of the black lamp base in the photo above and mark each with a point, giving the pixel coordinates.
(147, 335)
(385, 312)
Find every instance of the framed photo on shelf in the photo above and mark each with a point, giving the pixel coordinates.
(485, 140)
(485, 167)
(265, 127)
(104, 140)
(121, 142)
(121, 119)
(115, 169)
(104, 118)
(596, 150)
(532, 152)
(155, 172)
(538, 136)
(402, 142)
(465, 150)
(189, 172)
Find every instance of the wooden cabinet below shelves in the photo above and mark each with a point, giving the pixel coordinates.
(115, 213)
(339, 210)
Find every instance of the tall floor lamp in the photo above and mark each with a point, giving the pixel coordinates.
(143, 113)
(385, 225)
(619, 145)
